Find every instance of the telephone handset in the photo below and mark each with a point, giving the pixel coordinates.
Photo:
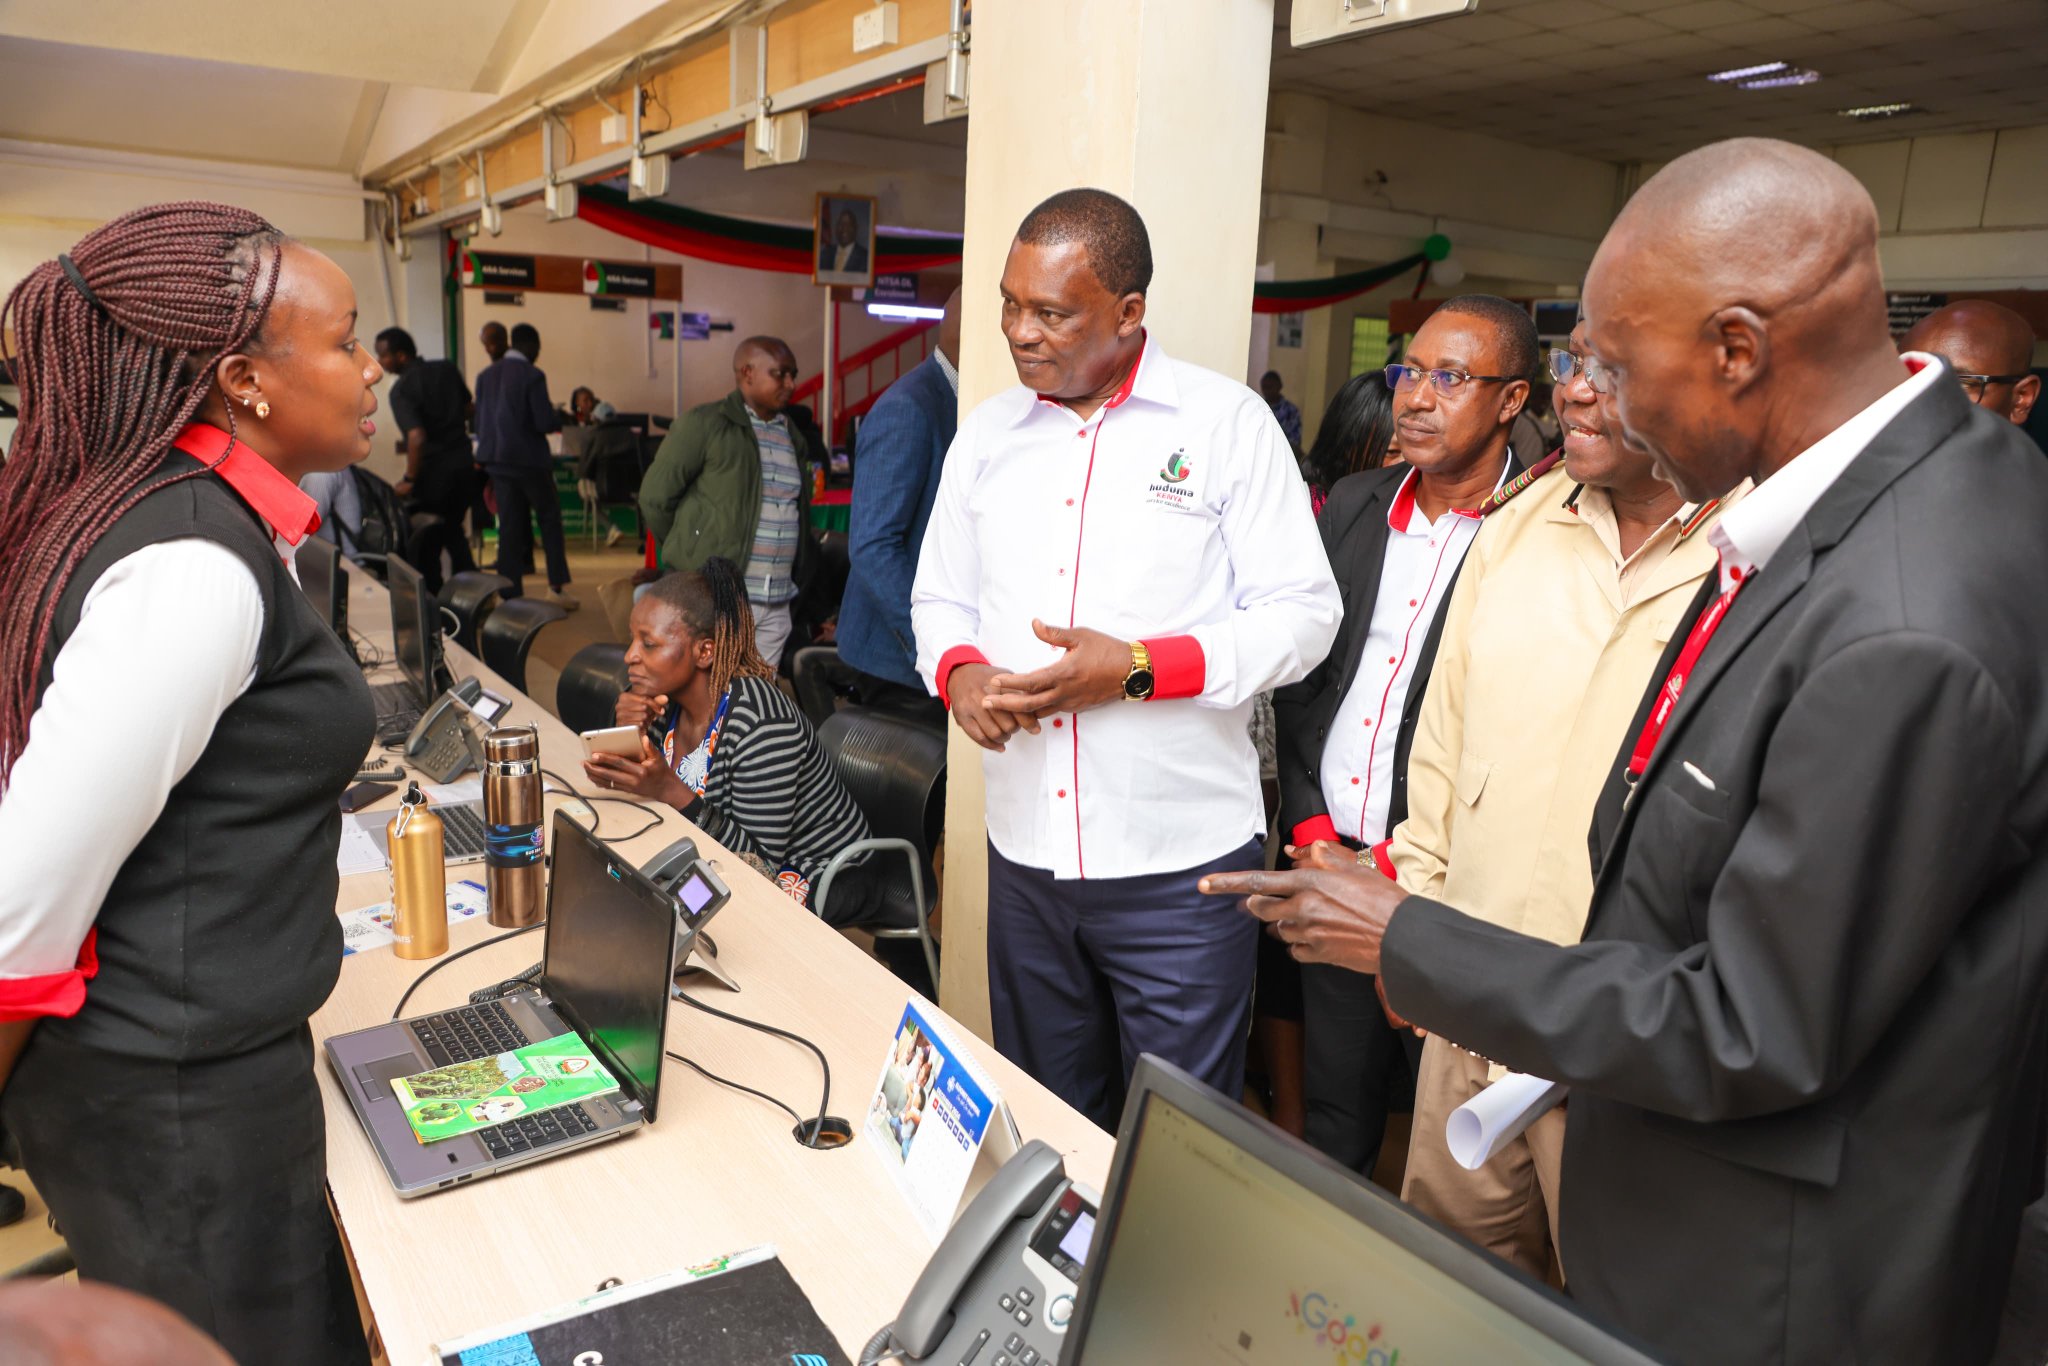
(1003, 1279)
(441, 744)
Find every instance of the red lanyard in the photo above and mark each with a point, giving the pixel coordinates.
(1674, 682)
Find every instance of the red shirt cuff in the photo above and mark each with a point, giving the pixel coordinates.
(55, 993)
(1383, 855)
(1179, 668)
(1313, 829)
(951, 660)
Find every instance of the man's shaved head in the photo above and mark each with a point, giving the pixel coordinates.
(765, 370)
(1737, 308)
(1978, 337)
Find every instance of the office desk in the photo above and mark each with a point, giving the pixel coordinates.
(717, 1171)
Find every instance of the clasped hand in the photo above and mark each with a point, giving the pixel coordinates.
(992, 704)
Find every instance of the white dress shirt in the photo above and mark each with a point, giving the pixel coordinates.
(1422, 560)
(177, 625)
(1751, 532)
(1175, 515)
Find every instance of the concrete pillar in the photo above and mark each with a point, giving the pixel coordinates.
(1164, 103)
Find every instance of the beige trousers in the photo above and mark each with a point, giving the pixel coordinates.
(1508, 1206)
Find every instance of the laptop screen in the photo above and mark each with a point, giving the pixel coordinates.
(413, 637)
(609, 958)
(320, 576)
(1223, 1241)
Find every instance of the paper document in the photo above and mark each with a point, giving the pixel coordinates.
(370, 927)
(1480, 1127)
(359, 851)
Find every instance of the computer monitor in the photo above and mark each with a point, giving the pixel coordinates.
(1223, 1240)
(609, 957)
(415, 633)
(324, 583)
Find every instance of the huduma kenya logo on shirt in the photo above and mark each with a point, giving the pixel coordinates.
(1177, 468)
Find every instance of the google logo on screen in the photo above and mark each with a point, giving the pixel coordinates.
(1339, 1331)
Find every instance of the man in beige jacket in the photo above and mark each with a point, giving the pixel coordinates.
(1566, 602)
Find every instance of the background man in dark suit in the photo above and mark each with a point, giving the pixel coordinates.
(895, 478)
(1395, 538)
(1991, 349)
(1798, 1029)
(513, 418)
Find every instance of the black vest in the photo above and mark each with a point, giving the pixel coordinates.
(219, 932)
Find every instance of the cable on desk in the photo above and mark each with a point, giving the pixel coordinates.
(459, 953)
(709, 1075)
(824, 1102)
(565, 788)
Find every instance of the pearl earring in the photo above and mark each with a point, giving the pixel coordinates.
(263, 408)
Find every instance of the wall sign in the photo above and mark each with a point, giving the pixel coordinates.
(1907, 309)
(496, 270)
(621, 279)
(894, 289)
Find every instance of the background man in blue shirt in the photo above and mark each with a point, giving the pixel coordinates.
(513, 419)
(896, 466)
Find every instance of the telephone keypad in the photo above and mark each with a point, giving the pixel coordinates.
(1024, 1297)
(1009, 1305)
(974, 1348)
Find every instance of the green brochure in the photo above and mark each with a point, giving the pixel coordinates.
(466, 1096)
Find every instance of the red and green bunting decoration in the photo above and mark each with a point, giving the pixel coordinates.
(741, 241)
(772, 246)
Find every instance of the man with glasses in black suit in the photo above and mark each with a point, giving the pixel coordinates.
(1395, 537)
(1989, 347)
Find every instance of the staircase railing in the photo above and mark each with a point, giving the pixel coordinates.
(861, 376)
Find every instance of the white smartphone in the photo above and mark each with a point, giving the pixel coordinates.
(623, 741)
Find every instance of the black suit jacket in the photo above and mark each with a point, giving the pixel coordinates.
(1798, 1030)
(1354, 529)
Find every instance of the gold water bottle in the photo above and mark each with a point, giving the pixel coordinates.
(513, 834)
(419, 879)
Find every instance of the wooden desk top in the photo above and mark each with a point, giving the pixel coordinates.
(719, 1171)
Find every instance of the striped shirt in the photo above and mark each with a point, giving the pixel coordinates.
(773, 792)
(771, 563)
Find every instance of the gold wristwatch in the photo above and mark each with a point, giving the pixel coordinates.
(1138, 682)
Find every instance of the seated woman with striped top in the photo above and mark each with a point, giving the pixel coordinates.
(722, 744)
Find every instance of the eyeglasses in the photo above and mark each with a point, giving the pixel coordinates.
(1564, 365)
(1447, 382)
(1975, 385)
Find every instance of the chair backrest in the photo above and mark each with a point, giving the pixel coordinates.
(469, 597)
(587, 696)
(507, 635)
(811, 672)
(895, 770)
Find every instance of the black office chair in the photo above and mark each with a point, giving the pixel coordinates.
(507, 635)
(587, 697)
(816, 673)
(895, 770)
(467, 598)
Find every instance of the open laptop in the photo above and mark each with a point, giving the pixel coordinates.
(1222, 1240)
(415, 643)
(325, 585)
(612, 940)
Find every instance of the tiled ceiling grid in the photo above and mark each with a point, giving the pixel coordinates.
(1625, 80)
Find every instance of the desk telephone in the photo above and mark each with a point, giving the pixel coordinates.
(446, 744)
(999, 1291)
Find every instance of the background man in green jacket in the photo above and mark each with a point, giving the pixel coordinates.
(733, 479)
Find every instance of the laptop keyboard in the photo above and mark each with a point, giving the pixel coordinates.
(483, 1031)
(462, 833)
(467, 1033)
(537, 1131)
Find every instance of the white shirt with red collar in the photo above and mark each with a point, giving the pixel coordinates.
(166, 640)
(1422, 560)
(1751, 532)
(1174, 515)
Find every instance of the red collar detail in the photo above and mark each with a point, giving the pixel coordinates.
(1123, 392)
(286, 509)
(1403, 509)
(1915, 363)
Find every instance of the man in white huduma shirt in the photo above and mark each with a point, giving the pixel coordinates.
(1121, 557)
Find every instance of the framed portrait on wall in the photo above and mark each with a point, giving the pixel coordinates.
(845, 238)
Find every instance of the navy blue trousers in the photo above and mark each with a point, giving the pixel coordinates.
(1085, 974)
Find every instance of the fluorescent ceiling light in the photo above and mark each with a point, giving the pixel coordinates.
(1796, 76)
(1743, 73)
(905, 312)
(1879, 111)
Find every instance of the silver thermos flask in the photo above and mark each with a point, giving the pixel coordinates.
(514, 834)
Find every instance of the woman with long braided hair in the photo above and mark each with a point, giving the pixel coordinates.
(725, 746)
(176, 725)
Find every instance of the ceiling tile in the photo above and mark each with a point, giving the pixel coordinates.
(1487, 27)
(1564, 13)
(1782, 37)
(1538, 46)
(1699, 14)
(1626, 28)
(1853, 15)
